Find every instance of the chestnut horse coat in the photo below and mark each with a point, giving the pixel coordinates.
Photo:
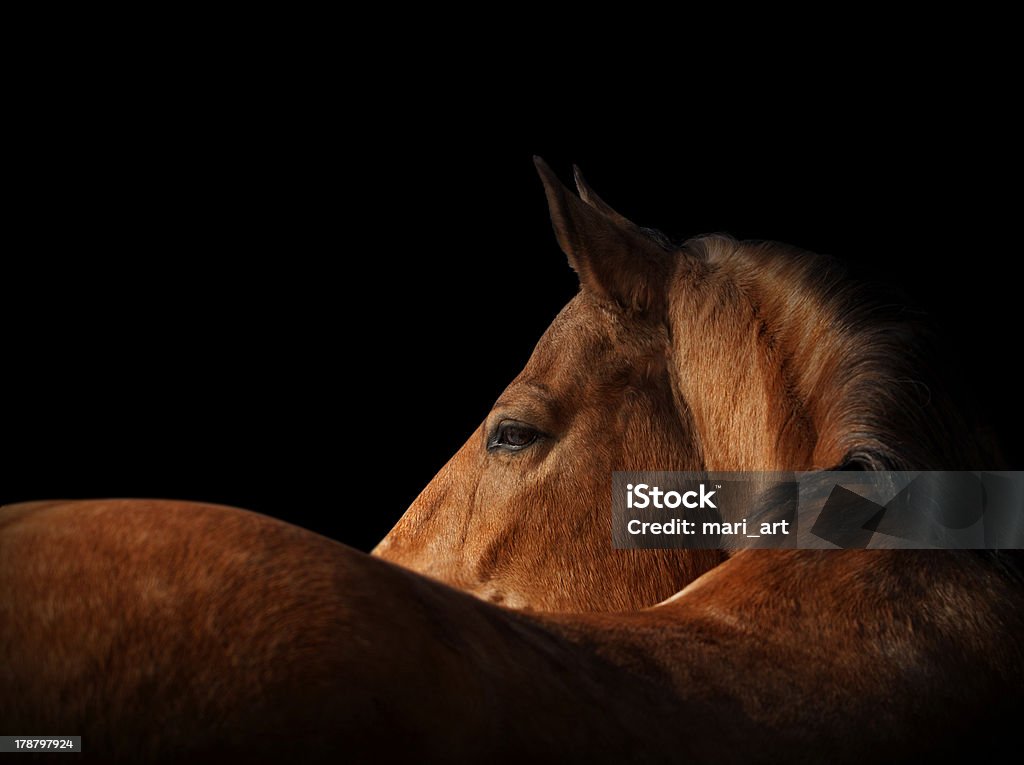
(495, 623)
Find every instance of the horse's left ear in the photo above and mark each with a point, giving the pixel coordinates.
(612, 256)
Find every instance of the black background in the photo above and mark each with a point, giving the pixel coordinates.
(302, 302)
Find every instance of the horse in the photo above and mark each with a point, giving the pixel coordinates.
(495, 620)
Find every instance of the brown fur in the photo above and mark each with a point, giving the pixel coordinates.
(141, 623)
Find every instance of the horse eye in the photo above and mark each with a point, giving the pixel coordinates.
(513, 436)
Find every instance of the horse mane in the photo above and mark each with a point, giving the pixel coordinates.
(866, 367)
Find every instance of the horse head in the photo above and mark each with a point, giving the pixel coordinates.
(713, 355)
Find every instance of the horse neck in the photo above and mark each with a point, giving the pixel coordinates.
(785, 364)
(735, 380)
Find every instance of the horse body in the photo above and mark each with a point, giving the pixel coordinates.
(509, 627)
(284, 643)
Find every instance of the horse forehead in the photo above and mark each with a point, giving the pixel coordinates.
(586, 343)
(584, 332)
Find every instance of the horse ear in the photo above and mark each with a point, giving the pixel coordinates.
(614, 259)
(589, 196)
